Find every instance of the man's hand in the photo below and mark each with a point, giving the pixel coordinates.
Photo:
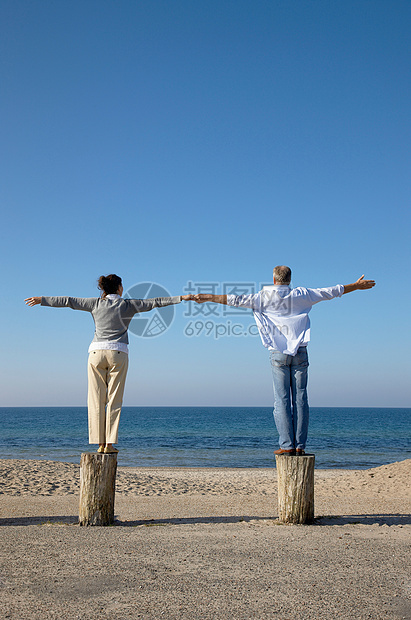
(364, 284)
(33, 301)
(359, 285)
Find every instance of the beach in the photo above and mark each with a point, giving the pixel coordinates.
(205, 543)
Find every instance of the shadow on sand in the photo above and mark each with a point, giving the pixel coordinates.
(325, 520)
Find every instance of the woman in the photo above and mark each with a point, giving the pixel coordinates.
(108, 352)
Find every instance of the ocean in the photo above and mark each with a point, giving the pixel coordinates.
(340, 437)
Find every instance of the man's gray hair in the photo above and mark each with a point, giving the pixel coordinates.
(282, 274)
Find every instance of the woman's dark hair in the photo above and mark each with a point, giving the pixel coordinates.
(109, 284)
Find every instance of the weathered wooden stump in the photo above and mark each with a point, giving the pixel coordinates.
(295, 488)
(97, 488)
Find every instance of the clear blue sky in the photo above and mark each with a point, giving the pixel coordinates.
(206, 141)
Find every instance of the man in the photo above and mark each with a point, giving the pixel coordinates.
(281, 314)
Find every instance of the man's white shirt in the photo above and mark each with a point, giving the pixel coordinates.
(281, 313)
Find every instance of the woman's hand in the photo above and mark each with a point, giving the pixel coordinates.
(33, 301)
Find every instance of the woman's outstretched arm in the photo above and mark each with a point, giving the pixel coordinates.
(75, 303)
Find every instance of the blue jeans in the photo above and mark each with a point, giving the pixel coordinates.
(291, 411)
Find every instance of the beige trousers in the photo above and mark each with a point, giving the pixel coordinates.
(107, 371)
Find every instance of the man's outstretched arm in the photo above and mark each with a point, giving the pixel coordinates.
(359, 285)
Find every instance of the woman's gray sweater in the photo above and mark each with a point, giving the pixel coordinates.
(111, 316)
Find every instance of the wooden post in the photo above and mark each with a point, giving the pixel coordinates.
(295, 488)
(97, 488)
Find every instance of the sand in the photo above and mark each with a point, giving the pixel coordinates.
(194, 543)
